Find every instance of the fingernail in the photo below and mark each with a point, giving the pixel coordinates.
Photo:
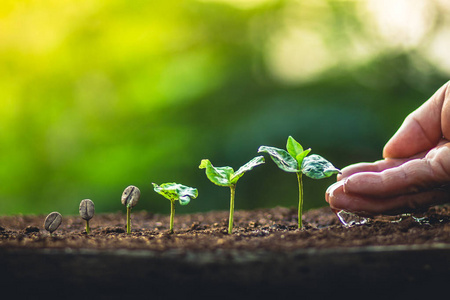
(330, 191)
(345, 182)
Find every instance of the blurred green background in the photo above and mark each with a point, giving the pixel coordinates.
(97, 95)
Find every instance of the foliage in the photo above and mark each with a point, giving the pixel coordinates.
(225, 176)
(295, 160)
(175, 192)
(113, 92)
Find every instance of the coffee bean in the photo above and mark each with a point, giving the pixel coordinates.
(87, 209)
(130, 196)
(52, 221)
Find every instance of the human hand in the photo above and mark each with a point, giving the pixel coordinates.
(415, 171)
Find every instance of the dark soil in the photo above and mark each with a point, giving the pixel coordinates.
(266, 257)
(270, 229)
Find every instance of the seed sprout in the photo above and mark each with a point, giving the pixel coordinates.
(87, 210)
(175, 192)
(130, 198)
(225, 176)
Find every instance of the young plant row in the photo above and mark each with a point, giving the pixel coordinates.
(294, 160)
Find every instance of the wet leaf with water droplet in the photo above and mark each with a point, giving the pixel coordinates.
(175, 191)
(247, 167)
(317, 167)
(281, 158)
(218, 175)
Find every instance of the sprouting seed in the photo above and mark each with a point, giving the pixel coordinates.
(130, 197)
(87, 210)
(52, 221)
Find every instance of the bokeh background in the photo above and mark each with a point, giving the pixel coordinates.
(97, 95)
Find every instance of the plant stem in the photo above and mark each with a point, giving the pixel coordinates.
(230, 221)
(128, 219)
(300, 199)
(88, 229)
(172, 214)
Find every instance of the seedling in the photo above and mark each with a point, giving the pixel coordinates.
(130, 198)
(295, 160)
(225, 176)
(174, 192)
(52, 222)
(87, 211)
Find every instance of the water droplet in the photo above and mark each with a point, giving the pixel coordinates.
(349, 219)
(422, 220)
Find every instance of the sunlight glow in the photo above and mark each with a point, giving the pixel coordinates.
(402, 23)
(437, 50)
(297, 55)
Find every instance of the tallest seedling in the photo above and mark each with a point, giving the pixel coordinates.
(295, 160)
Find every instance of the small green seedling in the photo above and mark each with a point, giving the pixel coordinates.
(130, 198)
(174, 192)
(225, 176)
(87, 210)
(52, 222)
(295, 160)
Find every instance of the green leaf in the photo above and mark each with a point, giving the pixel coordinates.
(281, 158)
(302, 155)
(256, 161)
(220, 175)
(317, 167)
(184, 200)
(293, 147)
(175, 191)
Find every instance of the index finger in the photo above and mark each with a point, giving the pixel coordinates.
(411, 177)
(377, 166)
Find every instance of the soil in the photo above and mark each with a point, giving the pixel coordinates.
(270, 229)
(265, 257)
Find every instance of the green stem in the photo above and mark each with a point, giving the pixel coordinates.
(88, 229)
(300, 199)
(172, 214)
(230, 221)
(128, 219)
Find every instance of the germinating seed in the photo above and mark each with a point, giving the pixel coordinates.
(52, 221)
(130, 196)
(87, 209)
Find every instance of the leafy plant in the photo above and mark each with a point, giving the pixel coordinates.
(295, 160)
(225, 176)
(130, 197)
(174, 192)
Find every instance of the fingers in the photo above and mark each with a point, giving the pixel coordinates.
(414, 184)
(411, 177)
(377, 166)
(381, 165)
(371, 206)
(422, 129)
